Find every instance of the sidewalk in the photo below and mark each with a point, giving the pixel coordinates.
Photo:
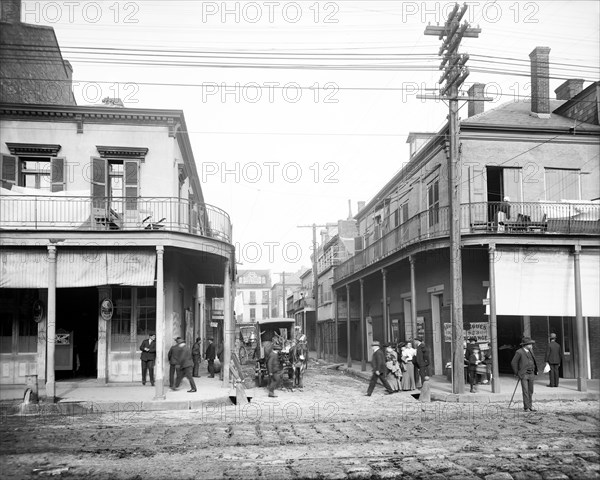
(88, 395)
(441, 389)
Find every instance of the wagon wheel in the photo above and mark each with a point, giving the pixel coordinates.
(243, 356)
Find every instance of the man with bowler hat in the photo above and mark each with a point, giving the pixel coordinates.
(379, 369)
(210, 355)
(173, 359)
(525, 367)
(184, 365)
(554, 359)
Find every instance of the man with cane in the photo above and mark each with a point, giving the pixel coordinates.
(525, 368)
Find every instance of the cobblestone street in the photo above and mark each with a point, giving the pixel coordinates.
(328, 430)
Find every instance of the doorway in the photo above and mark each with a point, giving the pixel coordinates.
(510, 331)
(503, 182)
(77, 332)
(563, 327)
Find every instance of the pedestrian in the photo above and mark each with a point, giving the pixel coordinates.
(148, 357)
(172, 355)
(210, 358)
(197, 357)
(185, 364)
(474, 360)
(425, 395)
(393, 367)
(421, 359)
(525, 368)
(274, 368)
(408, 374)
(379, 369)
(554, 359)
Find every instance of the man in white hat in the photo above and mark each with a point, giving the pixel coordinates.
(554, 359)
(525, 367)
(379, 369)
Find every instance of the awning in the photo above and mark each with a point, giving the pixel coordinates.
(542, 283)
(23, 268)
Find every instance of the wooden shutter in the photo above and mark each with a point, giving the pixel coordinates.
(57, 174)
(477, 184)
(9, 169)
(131, 183)
(99, 183)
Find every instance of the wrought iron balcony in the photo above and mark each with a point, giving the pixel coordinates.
(493, 218)
(62, 212)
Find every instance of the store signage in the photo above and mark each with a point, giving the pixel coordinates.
(106, 309)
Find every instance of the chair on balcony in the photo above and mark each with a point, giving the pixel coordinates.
(106, 219)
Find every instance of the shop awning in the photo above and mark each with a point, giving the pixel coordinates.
(542, 283)
(21, 268)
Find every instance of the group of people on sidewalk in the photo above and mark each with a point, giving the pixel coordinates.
(404, 368)
(183, 361)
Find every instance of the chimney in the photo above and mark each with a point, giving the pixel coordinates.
(349, 209)
(476, 106)
(361, 205)
(540, 82)
(569, 89)
(10, 11)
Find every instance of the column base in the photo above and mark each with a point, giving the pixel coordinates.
(581, 384)
(159, 389)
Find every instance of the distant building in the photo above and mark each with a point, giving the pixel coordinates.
(254, 291)
(279, 297)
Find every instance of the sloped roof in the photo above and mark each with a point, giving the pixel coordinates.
(517, 113)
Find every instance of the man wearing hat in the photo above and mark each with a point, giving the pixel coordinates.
(379, 369)
(148, 357)
(210, 355)
(525, 367)
(554, 359)
(184, 365)
(173, 357)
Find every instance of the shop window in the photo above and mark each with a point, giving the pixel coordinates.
(146, 322)
(6, 329)
(28, 333)
(120, 324)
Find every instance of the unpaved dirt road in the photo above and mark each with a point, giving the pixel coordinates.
(328, 430)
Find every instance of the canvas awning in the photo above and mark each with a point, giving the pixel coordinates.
(25, 268)
(542, 283)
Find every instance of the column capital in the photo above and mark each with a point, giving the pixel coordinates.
(577, 249)
(492, 247)
(51, 251)
(362, 281)
(347, 287)
(412, 260)
(160, 249)
(384, 271)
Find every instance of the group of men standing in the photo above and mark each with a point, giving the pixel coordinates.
(183, 361)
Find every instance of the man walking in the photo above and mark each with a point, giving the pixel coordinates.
(184, 365)
(173, 356)
(525, 367)
(422, 358)
(197, 357)
(379, 369)
(274, 368)
(210, 357)
(554, 359)
(148, 357)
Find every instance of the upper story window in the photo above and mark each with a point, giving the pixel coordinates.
(265, 296)
(33, 166)
(562, 184)
(252, 298)
(433, 202)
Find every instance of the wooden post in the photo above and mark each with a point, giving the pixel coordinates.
(159, 386)
(493, 321)
(386, 331)
(363, 330)
(228, 323)
(579, 328)
(51, 326)
(348, 354)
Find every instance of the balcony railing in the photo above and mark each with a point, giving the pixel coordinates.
(476, 218)
(56, 212)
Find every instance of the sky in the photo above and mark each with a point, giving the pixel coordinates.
(295, 109)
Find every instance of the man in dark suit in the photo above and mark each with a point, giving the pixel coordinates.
(379, 369)
(197, 357)
(173, 356)
(184, 365)
(525, 367)
(148, 357)
(210, 355)
(274, 368)
(554, 359)
(422, 358)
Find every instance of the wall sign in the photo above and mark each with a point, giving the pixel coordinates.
(106, 309)
(38, 311)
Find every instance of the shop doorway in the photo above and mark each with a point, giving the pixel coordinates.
(563, 327)
(510, 331)
(77, 332)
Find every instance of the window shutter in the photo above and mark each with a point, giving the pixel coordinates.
(57, 174)
(132, 177)
(9, 169)
(99, 183)
(477, 184)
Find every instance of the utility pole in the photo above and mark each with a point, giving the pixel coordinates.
(283, 274)
(454, 75)
(315, 273)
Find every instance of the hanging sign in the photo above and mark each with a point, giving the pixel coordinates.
(106, 309)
